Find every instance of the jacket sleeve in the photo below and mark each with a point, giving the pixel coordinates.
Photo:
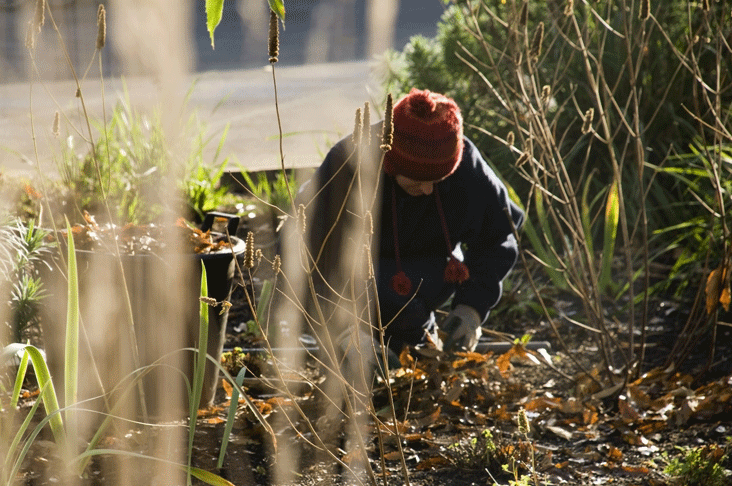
(491, 249)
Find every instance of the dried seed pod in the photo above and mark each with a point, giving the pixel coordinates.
(30, 37)
(524, 15)
(510, 138)
(369, 262)
(249, 251)
(101, 27)
(587, 121)
(276, 264)
(301, 223)
(357, 128)
(645, 9)
(569, 8)
(522, 159)
(535, 50)
(258, 255)
(366, 133)
(546, 92)
(369, 223)
(274, 37)
(388, 134)
(78, 93)
(208, 301)
(39, 16)
(56, 130)
(523, 422)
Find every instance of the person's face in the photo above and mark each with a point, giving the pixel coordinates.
(415, 188)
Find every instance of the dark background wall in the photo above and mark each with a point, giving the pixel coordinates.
(315, 31)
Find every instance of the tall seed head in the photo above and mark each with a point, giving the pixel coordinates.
(56, 125)
(274, 37)
(39, 16)
(301, 223)
(249, 251)
(535, 51)
(587, 122)
(645, 9)
(388, 134)
(30, 36)
(523, 422)
(101, 27)
(276, 264)
(357, 128)
(366, 133)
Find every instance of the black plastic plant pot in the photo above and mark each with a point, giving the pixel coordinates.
(163, 291)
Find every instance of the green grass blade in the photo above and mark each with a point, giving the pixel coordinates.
(546, 257)
(612, 215)
(231, 416)
(205, 476)
(71, 350)
(17, 439)
(19, 377)
(200, 366)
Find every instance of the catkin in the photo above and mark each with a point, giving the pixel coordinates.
(249, 251)
(388, 135)
(587, 122)
(274, 37)
(56, 129)
(535, 51)
(101, 27)
(366, 133)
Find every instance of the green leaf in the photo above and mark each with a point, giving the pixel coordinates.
(208, 477)
(71, 350)
(214, 11)
(278, 7)
(612, 214)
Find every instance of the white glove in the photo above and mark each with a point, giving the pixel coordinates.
(462, 327)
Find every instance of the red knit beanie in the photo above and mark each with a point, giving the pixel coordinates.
(428, 137)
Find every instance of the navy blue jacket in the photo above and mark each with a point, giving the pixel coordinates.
(478, 211)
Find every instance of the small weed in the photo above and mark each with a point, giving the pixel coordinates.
(477, 453)
(701, 466)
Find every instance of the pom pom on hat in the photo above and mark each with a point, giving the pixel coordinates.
(428, 137)
(401, 284)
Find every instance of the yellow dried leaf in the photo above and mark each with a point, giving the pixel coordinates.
(227, 388)
(717, 289)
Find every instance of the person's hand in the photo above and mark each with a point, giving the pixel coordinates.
(462, 327)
